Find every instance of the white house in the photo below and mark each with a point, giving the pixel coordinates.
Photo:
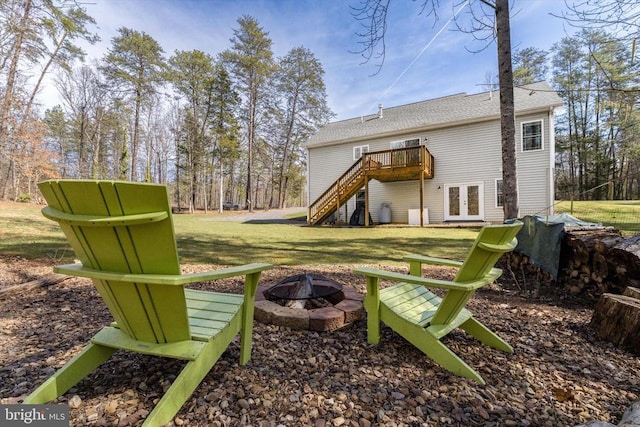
(443, 154)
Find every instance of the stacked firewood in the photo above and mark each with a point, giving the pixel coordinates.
(592, 262)
(527, 276)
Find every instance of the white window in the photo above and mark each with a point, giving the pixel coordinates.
(499, 196)
(532, 136)
(359, 151)
(404, 144)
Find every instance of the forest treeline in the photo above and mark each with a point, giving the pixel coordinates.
(219, 128)
(230, 127)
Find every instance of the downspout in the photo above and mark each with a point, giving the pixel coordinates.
(308, 186)
(552, 162)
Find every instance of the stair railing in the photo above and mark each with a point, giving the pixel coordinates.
(342, 188)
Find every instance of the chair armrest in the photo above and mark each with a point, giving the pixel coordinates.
(102, 220)
(416, 261)
(507, 247)
(432, 260)
(432, 283)
(161, 279)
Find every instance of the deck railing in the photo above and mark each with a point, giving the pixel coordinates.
(400, 158)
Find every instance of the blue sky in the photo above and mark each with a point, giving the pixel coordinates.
(328, 29)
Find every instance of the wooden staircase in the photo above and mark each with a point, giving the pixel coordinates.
(401, 164)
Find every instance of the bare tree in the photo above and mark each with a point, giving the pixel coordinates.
(484, 17)
(507, 111)
(33, 32)
(620, 18)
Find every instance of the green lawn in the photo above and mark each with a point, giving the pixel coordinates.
(201, 239)
(621, 214)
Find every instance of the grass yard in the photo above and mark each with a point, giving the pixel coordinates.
(621, 214)
(202, 239)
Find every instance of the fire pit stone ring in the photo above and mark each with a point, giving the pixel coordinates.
(339, 305)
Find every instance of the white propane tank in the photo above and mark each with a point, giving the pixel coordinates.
(384, 214)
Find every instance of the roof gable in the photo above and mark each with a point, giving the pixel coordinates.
(439, 112)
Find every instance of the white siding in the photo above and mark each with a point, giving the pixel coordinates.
(534, 169)
(462, 154)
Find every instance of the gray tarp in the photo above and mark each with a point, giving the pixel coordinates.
(541, 237)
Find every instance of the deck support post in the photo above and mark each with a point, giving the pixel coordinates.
(338, 205)
(421, 199)
(366, 201)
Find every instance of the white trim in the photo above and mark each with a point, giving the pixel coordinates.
(362, 149)
(541, 135)
(552, 162)
(307, 184)
(495, 193)
(464, 215)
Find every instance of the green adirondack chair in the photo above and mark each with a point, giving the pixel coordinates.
(122, 234)
(424, 318)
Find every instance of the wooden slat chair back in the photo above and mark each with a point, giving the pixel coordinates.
(125, 228)
(490, 244)
(423, 317)
(122, 233)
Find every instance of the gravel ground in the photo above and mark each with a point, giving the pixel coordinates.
(559, 375)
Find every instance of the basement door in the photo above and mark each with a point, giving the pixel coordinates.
(463, 202)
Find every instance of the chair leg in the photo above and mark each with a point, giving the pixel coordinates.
(371, 304)
(185, 384)
(248, 308)
(443, 356)
(71, 373)
(431, 346)
(373, 320)
(485, 335)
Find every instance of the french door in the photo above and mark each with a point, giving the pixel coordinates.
(463, 202)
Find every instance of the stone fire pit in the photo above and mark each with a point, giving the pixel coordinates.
(341, 308)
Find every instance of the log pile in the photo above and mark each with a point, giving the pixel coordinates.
(588, 264)
(592, 263)
(527, 276)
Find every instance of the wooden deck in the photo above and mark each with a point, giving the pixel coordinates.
(403, 164)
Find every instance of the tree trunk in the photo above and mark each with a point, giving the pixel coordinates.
(616, 318)
(36, 89)
(250, 141)
(13, 71)
(134, 141)
(6, 145)
(507, 112)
